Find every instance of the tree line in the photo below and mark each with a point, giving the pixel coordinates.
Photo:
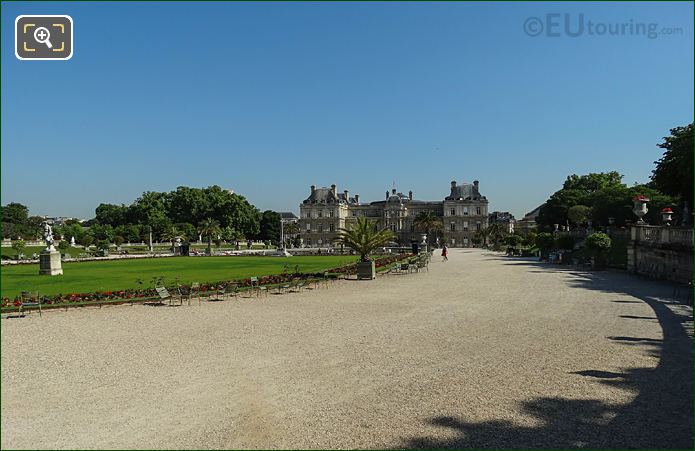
(602, 198)
(183, 213)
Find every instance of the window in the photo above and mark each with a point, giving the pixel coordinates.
(308, 227)
(412, 227)
(320, 214)
(331, 227)
(330, 214)
(354, 213)
(465, 211)
(308, 241)
(465, 225)
(320, 228)
(477, 211)
(477, 226)
(452, 212)
(452, 227)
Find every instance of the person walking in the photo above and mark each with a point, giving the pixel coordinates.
(445, 253)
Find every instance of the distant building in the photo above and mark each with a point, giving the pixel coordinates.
(504, 218)
(325, 211)
(528, 222)
(61, 220)
(288, 216)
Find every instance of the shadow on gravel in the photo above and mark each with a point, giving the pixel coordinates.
(660, 416)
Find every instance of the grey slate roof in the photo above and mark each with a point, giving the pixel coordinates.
(464, 191)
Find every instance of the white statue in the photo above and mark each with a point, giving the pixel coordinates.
(48, 236)
(72, 241)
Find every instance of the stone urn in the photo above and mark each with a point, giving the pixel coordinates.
(666, 216)
(640, 207)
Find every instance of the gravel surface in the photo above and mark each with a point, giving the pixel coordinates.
(481, 351)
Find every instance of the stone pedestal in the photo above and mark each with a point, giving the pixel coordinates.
(49, 263)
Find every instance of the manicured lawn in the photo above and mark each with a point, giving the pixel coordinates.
(116, 275)
(27, 251)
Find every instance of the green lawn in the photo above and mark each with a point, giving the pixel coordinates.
(81, 277)
(27, 251)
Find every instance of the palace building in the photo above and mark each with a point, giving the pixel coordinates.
(463, 212)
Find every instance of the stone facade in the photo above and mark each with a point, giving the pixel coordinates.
(661, 252)
(325, 211)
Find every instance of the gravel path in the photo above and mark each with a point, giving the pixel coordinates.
(482, 351)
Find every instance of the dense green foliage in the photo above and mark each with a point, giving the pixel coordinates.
(270, 226)
(123, 274)
(545, 241)
(598, 245)
(597, 197)
(674, 171)
(181, 211)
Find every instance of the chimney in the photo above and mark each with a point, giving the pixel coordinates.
(387, 195)
(475, 183)
(313, 188)
(357, 198)
(410, 194)
(347, 197)
(453, 183)
(334, 190)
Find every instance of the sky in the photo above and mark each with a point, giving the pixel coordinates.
(267, 99)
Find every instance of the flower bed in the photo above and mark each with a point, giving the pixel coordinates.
(145, 294)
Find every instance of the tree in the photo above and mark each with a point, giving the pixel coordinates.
(598, 245)
(111, 214)
(579, 214)
(171, 234)
(496, 233)
(576, 190)
(530, 239)
(428, 221)
(102, 232)
(482, 236)
(14, 213)
(63, 246)
(513, 240)
(565, 242)
(210, 228)
(270, 226)
(187, 231)
(103, 245)
(18, 246)
(86, 240)
(545, 242)
(673, 174)
(364, 237)
(118, 240)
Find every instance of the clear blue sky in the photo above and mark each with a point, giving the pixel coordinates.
(267, 99)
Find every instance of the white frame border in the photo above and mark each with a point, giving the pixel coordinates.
(72, 37)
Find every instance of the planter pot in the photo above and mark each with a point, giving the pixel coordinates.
(366, 270)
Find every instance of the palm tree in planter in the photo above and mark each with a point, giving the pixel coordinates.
(171, 234)
(364, 237)
(428, 221)
(210, 228)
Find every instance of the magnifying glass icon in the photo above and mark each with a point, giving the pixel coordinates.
(42, 36)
